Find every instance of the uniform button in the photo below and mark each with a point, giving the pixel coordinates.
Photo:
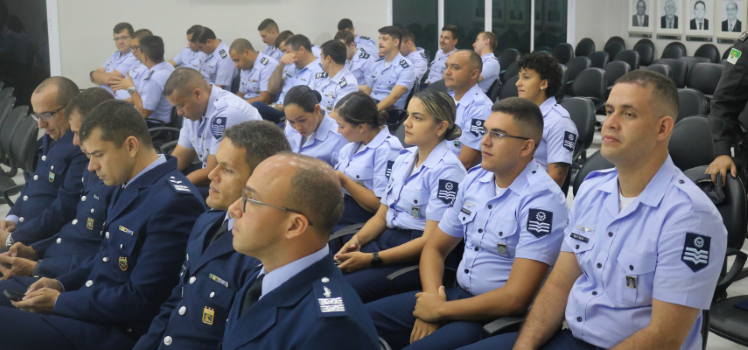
(107, 235)
(594, 292)
(681, 181)
(59, 240)
(44, 158)
(167, 340)
(610, 234)
(83, 198)
(467, 271)
(182, 310)
(121, 246)
(357, 178)
(579, 319)
(89, 283)
(599, 265)
(415, 201)
(463, 218)
(36, 177)
(75, 221)
(212, 294)
(533, 171)
(52, 168)
(577, 247)
(490, 206)
(20, 219)
(25, 198)
(105, 259)
(476, 249)
(188, 257)
(129, 330)
(92, 210)
(501, 233)
(631, 267)
(480, 230)
(192, 279)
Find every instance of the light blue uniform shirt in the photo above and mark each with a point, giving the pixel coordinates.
(281, 275)
(136, 73)
(425, 195)
(316, 51)
(490, 72)
(438, 66)
(224, 110)
(118, 62)
(367, 43)
(559, 135)
(190, 59)
(359, 65)
(334, 88)
(370, 166)
(324, 144)
(273, 52)
(472, 111)
(294, 76)
(255, 80)
(218, 68)
(384, 76)
(668, 244)
(526, 221)
(420, 63)
(151, 89)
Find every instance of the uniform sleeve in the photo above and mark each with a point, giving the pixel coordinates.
(150, 93)
(535, 243)
(266, 73)
(407, 77)
(690, 253)
(233, 116)
(124, 66)
(443, 188)
(560, 144)
(184, 137)
(368, 74)
(450, 223)
(477, 116)
(382, 156)
(728, 101)
(349, 88)
(420, 66)
(178, 58)
(225, 72)
(491, 70)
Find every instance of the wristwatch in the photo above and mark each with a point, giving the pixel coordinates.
(375, 260)
(9, 241)
(131, 90)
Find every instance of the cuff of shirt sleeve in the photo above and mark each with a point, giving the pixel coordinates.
(722, 148)
(35, 272)
(13, 218)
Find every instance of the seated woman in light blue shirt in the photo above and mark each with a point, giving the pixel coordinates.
(422, 185)
(308, 130)
(365, 162)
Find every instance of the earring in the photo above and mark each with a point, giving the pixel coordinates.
(542, 88)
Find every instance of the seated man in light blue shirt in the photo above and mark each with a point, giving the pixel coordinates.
(256, 69)
(136, 72)
(119, 62)
(511, 216)
(484, 45)
(447, 41)
(391, 77)
(269, 33)
(217, 67)
(644, 247)
(415, 54)
(362, 42)
(336, 81)
(357, 60)
(191, 56)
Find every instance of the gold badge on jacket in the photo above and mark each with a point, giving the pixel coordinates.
(90, 223)
(208, 315)
(123, 263)
(51, 176)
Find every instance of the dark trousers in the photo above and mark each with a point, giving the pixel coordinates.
(15, 284)
(394, 320)
(269, 113)
(562, 340)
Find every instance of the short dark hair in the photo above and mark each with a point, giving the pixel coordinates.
(547, 67)
(122, 26)
(86, 101)
(241, 44)
(196, 31)
(664, 92)
(359, 108)
(260, 139)
(153, 47)
(336, 50)
(393, 32)
(452, 29)
(407, 35)
(346, 36)
(344, 24)
(299, 40)
(493, 40)
(141, 33)
(193, 29)
(315, 192)
(268, 23)
(283, 36)
(474, 59)
(302, 96)
(117, 121)
(66, 89)
(205, 35)
(526, 114)
(183, 79)
(699, 2)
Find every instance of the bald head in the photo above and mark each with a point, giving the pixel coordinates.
(184, 80)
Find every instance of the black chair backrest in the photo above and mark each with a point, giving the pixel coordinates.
(599, 59)
(675, 49)
(416, 87)
(235, 83)
(2, 84)
(726, 54)
(594, 162)
(510, 71)
(663, 69)
(6, 104)
(8, 91)
(24, 145)
(691, 143)
(545, 49)
(400, 134)
(692, 61)
(564, 79)
(646, 50)
(705, 77)
(680, 70)
(615, 70)
(507, 57)
(438, 85)
(582, 112)
(8, 128)
(629, 56)
(509, 89)
(563, 52)
(585, 47)
(691, 102)
(708, 51)
(591, 82)
(575, 66)
(493, 91)
(614, 47)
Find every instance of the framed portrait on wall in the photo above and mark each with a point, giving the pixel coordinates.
(700, 14)
(731, 14)
(670, 19)
(640, 19)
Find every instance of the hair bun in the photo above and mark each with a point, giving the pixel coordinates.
(317, 95)
(382, 118)
(454, 133)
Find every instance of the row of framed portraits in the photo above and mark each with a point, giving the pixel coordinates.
(723, 18)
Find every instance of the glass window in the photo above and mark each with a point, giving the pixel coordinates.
(469, 16)
(422, 18)
(511, 24)
(550, 23)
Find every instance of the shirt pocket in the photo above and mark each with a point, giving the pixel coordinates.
(415, 202)
(502, 238)
(633, 278)
(121, 246)
(360, 174)
(212, 305)
(468, 222)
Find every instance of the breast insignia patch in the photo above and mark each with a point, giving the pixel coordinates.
(223, 53)
(123, 263)
(208, 315)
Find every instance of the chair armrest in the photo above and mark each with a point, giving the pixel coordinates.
(503, 325)
(383, 344)
(157, 130)
(337, 236)
(7, 193)
(391, 277)
(169, 147)
(449, 278)
(735, 269)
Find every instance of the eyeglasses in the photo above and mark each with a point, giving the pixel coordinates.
(121, 38)
(254, 201)
(135, 47)
(498, 136)
(45, 115)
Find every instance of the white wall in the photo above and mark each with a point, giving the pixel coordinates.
(86, 26)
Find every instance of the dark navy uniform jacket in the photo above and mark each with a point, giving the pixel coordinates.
(144, 239)
(730, 98)
(48, 199)
(195, 315)
(315, 309)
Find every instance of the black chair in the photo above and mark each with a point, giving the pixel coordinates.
(705, 77)
(691, 143)
(563, 52)
(593, 163)
(511, 71)
(708, 51)
(507, 57)
(615, 70)
(599, 59)
(235, 83)
(7, 130)
(646, 50)
(23, 148)
(545, 49)
(8, 91)
(675, 49)
(438, 85)
(692, 61)
(564, 77)
(679, 68)
(493, 91)
(6, 105)
(400, 134)
(383, 344)
(661, 68)
(575, 66)
(691, 102)
(629, 56)
(509, 89)
(582, 112)
(591, 83)
(726, 54)
(614, 46)
(585, 47)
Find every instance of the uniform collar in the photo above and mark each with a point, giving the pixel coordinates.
(215, 91)
(547, 106)
(655, 189)
(469, 96)
(488, 55)
(520, 182)
(160, 160)
(395, 60)
(446, 54)
(341, 74)
(159, 66)
(379, 139)
(436, 154)
(277, 277)
(310, 66)
(323, 130)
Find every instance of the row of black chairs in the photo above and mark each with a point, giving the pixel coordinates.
(19, 136)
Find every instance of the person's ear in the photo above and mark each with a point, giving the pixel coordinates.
(665, 128)
(133, 145)
(527, 148)
(317, 109)
(296, 225)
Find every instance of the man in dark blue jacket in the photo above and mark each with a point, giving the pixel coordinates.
(78, 240)
(51, 193)
(109, 302)
(299, 298)
(195, 315)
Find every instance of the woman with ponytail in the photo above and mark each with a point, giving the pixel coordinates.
(308, 130)
(422, 185)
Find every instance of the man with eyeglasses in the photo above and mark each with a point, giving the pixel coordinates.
(213, 272)
(511, 215)
(119, 62)
(299, 298)
(120, 85)
(51, 192)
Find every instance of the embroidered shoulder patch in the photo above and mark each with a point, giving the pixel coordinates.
(264, 60)
(329, 298)
(734, 55)
(364, 37)
(342, 83)
(364, 55)
(177, 185)
(570, 140)
(447, 191)
(321, 75)
(539, 222)
(388, 172)
(404, 64)
(222, 53)
(423, 54)
(476, 127)
(696, 251)
(218, 125)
